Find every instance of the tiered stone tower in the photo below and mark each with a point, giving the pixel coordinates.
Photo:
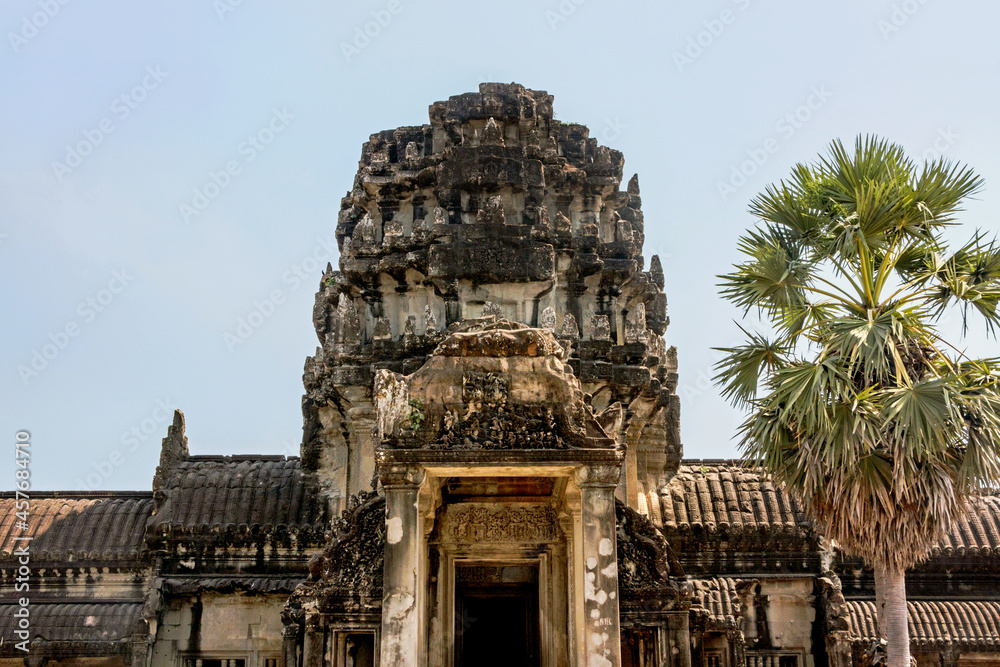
(493, 208)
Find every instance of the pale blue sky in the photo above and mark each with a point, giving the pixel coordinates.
(199, 79)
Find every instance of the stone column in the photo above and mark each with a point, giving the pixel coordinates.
(949, 656)
(677, 648)
(290, 645)
(313, 644)
(401, 586)
(838, 648)
(602, 628)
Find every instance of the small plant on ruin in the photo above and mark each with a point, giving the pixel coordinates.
(414, 415)
(856, 403)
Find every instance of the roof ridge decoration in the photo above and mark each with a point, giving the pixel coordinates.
(173, 450)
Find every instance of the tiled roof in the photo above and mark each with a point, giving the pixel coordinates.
(106, 622)
(711, 497)
(976, 534)
(935, 623)
(716, 598)
(262, 494)
(707, 497)
(72, 526)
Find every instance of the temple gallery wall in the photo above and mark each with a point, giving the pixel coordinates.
(491, 470)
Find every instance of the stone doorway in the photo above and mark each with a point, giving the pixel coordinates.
(496, 616)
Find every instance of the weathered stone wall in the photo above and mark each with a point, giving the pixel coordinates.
(218, 625)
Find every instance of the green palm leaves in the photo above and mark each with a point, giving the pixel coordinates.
(856, 403)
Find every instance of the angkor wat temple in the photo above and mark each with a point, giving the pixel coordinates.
(491, 469)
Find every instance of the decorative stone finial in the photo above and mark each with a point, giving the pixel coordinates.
(349, 320)
(657, 346)
(173, 450)
(570, 329)
(492, 134)
(543, 217)
(411, 320)
(393, 230)
(493, 213)
(491, 309)
(561, 223)
(440, 216)
(623, 229)
(430, 324)
(633, 184)
(656, 271)
(635, 325)
(365, 231)
(383, 330)
(412, 152)
(548, 319)
(600, 327)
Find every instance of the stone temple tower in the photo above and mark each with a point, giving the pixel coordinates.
(493, 208)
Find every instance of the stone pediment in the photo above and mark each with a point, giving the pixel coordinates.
(491, 384)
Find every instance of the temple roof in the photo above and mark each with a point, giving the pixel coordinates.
(78, 526)
(975, 534)
(716, 598)
(726, 497)
(968, 623)
(79, 629)
(251, 494)
(707, 497)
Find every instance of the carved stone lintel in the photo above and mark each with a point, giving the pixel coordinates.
(475, 524)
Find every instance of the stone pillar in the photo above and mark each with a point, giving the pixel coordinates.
(838, 648)
(401, 586)
(290, 645)
(677, 648)
(949, 656)
(602, 632)
(312, 645)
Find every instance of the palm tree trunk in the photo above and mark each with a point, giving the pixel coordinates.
(880, 600)
(897, 631)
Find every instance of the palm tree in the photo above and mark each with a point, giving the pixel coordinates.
(856, 404)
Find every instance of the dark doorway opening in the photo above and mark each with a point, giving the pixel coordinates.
(496, 616)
